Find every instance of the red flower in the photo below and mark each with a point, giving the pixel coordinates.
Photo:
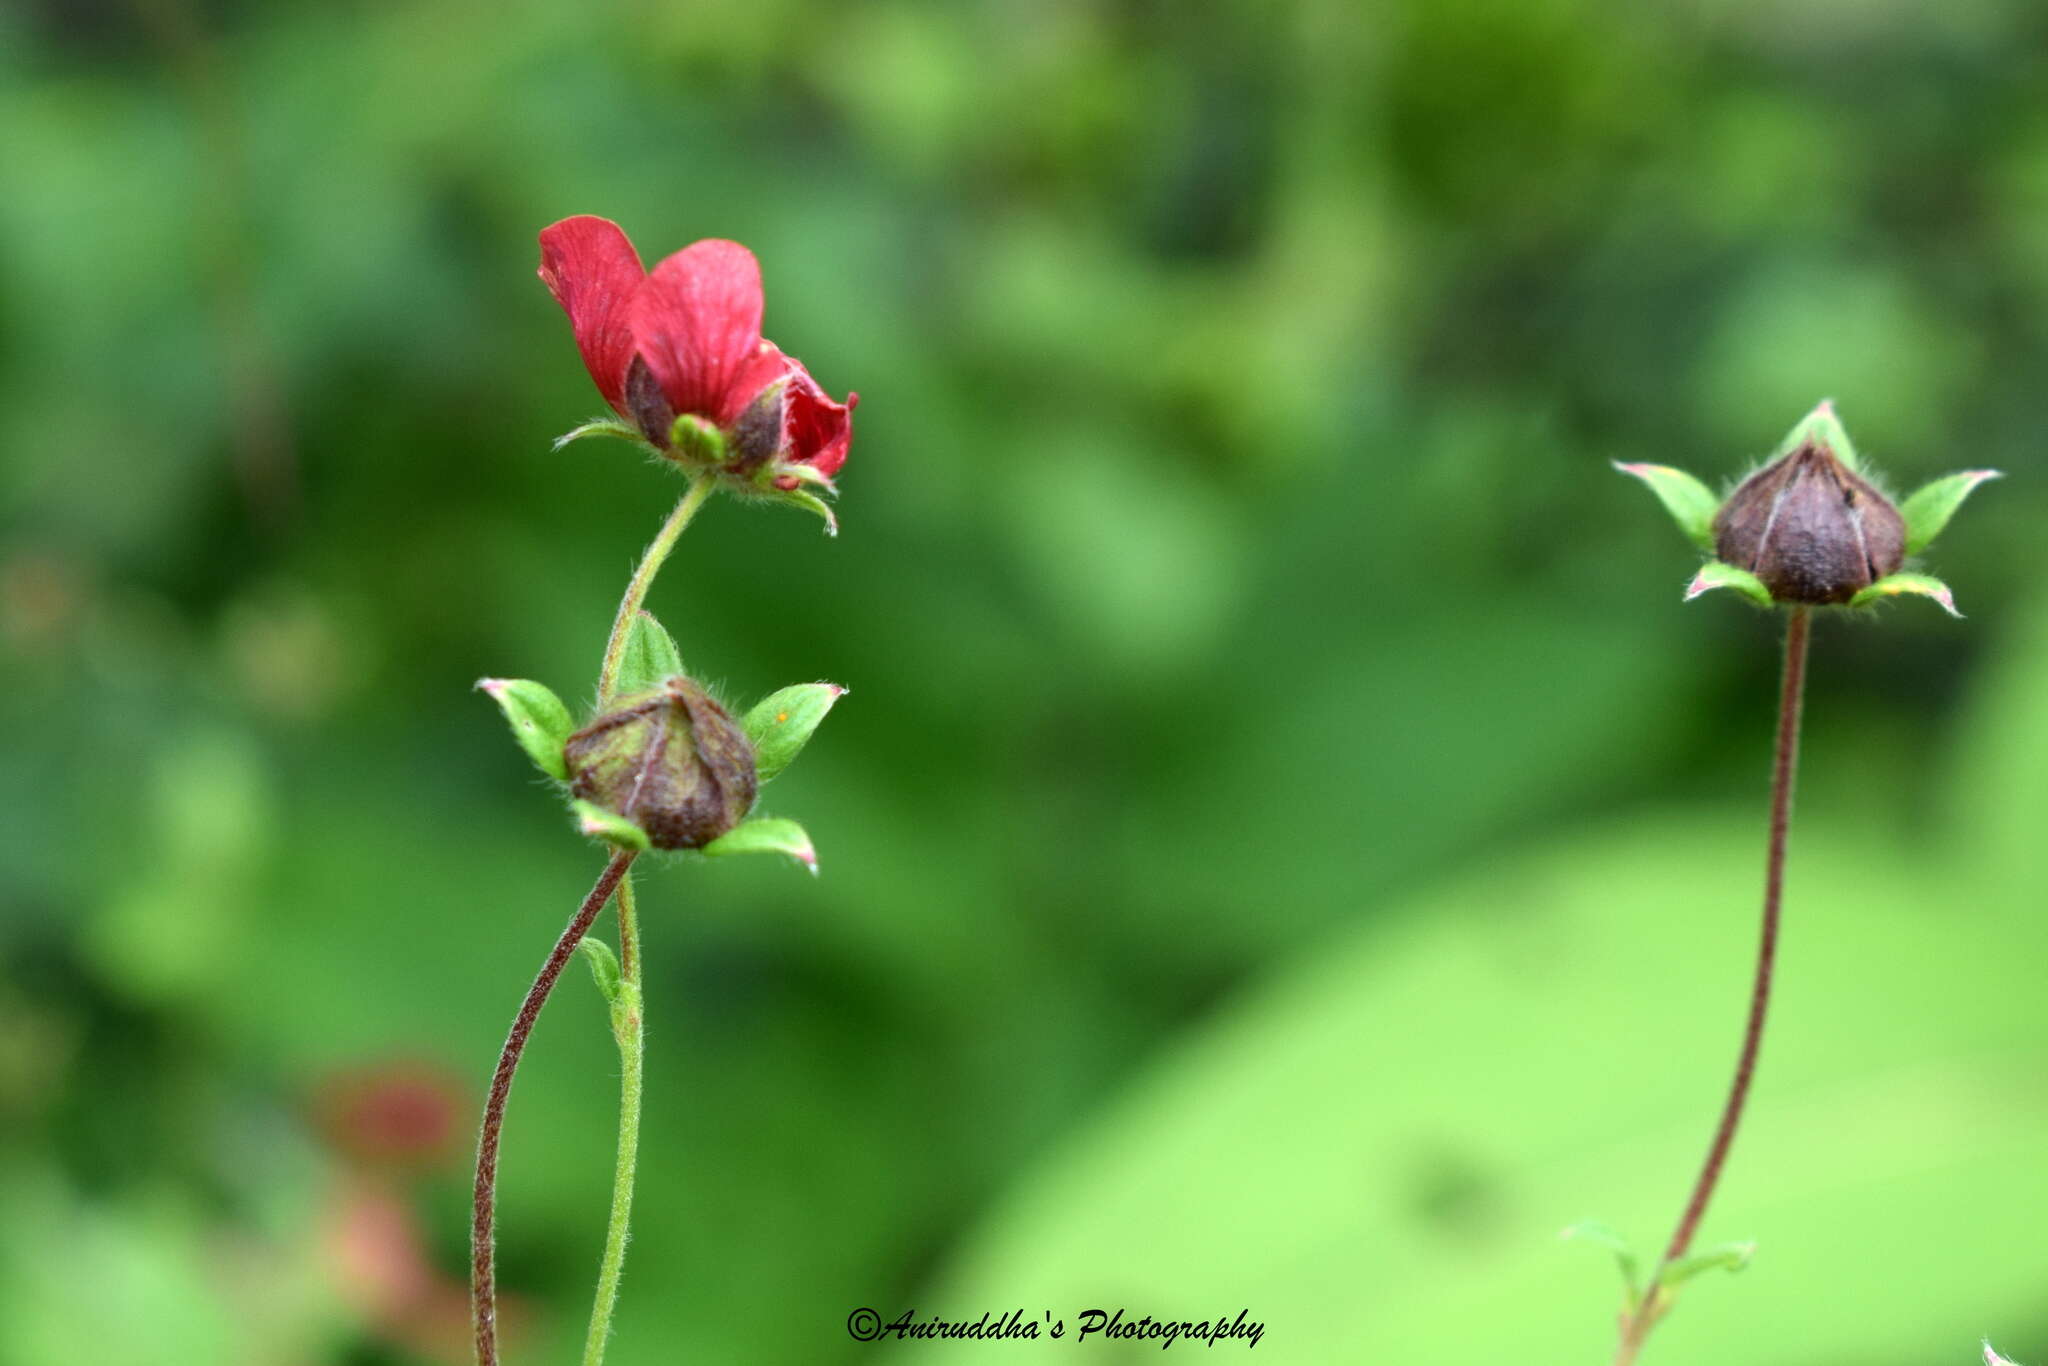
(685, 338)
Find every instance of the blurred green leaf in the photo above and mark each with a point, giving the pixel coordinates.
(1593, 1231)
(1723, 1257)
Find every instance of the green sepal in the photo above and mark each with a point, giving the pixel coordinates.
(1891, 585)
(540, 723)
(601, 824)
(1593, 1231)
(1822, 428)
(1714, 574)
(767, 835)
(1929, 509)
(781, 723)
(604, 968)
(696, 442)
(650, 658)
(1730, 1257)
(810, 502)
(1691, 504)
(601, 426)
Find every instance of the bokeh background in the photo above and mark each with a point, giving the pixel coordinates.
(1286, 849)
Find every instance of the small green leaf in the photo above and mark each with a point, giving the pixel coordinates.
(650, 657)
(1691, 504)
(1929, 509)
(767, 835)
(696, 441)
(604, 968)
(540, 722)
(781, 723)
(598, 823)
(1926, 585)
(1714, 574)
(1729, 1257)
(1822, 428)
(1593, 1231)
(600, 426)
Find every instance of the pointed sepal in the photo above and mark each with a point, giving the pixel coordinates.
(1891, 585)
(1822, 428)
(1593, 1231)
(781, 723)
(1691, 503)
(1928, 510)
(1714, 574)
(604, 966)
(615, 830)
(540, 723)
(809, 502)
(650, 658)
(601, 426)
(767, 835)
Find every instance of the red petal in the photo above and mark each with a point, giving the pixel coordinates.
(816, 431)
(594, 272)
(697, 324)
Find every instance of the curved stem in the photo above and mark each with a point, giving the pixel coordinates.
(626, 1028)
(1784, 766)
(636, 589)
(482, 1253)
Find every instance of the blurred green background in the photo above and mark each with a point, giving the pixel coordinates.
(1286, 849)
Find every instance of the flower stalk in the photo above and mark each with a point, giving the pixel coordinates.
(1636, 1324)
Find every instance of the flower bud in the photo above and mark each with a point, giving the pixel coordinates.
(669, 760)
(1810, 528)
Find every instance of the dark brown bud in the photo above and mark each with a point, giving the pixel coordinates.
(1810, 528)
(671, 761)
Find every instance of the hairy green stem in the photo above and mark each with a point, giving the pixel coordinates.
(1636, 1325)
(626, 1028)
(643, 578)
(627, 1012)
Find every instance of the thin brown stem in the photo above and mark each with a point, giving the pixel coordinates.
(1784, 766)
(482, 1267)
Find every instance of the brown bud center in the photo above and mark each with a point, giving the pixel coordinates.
(671, 761)
(1810, 528)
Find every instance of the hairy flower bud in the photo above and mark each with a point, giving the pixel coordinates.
(1810, 528)
(671, 761)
